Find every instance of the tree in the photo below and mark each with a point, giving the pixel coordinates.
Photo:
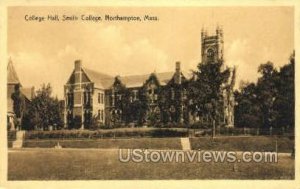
(123, 107)
(267, 93)
(247, 110)
(271, 102)
(206, 91)
(19, 105)
(44, 110)
(285, 104)
(164, 104)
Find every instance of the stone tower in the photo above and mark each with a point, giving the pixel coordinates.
(212, 46)
(212, 51)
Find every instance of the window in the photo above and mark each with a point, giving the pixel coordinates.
(172, 94)
(210, 55)
(119, 97)
(85, 97)
(68, 99)
(112, 100)
(89, 98)
(101, 115)
(172, 109)
(77, 97)
(102, 98)
(135, 95)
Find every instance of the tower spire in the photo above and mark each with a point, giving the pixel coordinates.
(12, 77)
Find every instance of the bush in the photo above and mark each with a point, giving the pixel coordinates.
(169, 133)
(107, 133)
(11, 135)
(144, 143)
(200, 125)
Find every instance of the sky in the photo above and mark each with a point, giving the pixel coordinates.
(44, 52)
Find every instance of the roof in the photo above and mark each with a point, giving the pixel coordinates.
(105, 81)
(101, 80)
(138, 80)
(12, 77)
(28, 92)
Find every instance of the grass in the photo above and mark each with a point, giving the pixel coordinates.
(253, 143)
(95, 164)
(149, 143)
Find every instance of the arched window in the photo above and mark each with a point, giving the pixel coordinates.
(210, 55)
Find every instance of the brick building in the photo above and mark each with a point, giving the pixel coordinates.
(92, 95)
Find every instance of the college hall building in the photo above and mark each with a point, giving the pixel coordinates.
(92, 96)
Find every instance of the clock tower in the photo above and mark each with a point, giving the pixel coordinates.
(212, 46)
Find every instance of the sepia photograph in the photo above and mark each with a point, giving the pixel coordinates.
(150, 93)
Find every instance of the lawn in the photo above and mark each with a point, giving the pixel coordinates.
(98, 164)
(253, 143)
(240, 143)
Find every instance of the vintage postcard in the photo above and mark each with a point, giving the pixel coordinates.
(149, 95)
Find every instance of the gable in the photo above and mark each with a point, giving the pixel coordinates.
(84, 77)
(71, 79)
(152, 81)
(133, 81)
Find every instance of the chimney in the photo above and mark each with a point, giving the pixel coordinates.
(177, 67)
(178, 73)
(32, 92)
(77, 65)
(77, 71)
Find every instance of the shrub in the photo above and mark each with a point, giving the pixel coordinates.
(200, 125)
(11, 135)
(107, 133)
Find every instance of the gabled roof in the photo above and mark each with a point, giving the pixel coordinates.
(187, 75)
(105, 81)
(12, 77)
(138, 80)
(101, 80)
(28, 92)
